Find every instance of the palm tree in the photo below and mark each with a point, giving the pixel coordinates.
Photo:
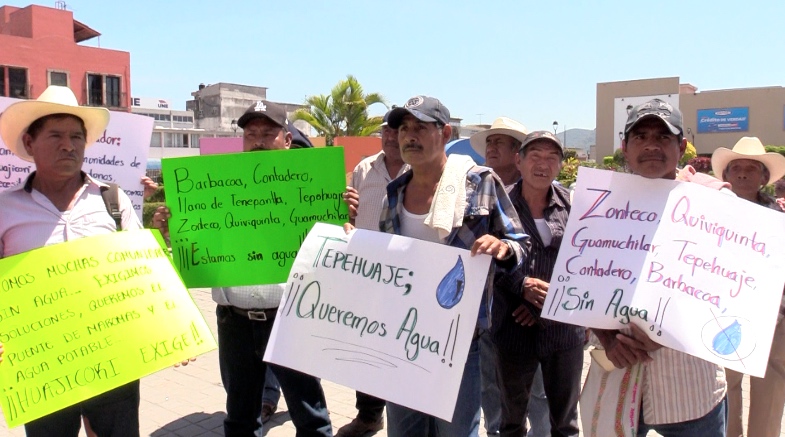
(344, 112)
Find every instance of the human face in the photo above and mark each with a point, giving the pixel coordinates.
(392, 151)
(262, 134)
(58, 148)
(500, 151)
(746, 176)
(539, 164)
(652, 151)
(422, 143)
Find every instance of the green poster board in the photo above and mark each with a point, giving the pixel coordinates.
(239, 219)
(81, 318)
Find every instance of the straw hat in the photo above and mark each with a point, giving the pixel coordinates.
(503, 126)
(15, 120)
(748, 148)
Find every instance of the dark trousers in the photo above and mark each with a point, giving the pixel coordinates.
(369, 408)
(561, 374)
(241, 346)
(111, 414)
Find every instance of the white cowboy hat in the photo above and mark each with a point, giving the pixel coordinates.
(503, 126)
(748, 148)
(15, 120)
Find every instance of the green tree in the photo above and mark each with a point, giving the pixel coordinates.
(343, 112)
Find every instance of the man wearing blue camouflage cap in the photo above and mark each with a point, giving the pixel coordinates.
(481, 218)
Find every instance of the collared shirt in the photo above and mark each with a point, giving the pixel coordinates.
(545, 337)
(678, 387)
(370, 179)
(488, 211)
(29, 220)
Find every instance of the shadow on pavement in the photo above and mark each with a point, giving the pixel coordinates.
(193, 424)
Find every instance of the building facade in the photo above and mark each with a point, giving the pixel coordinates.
(40, 46)
(712, 119)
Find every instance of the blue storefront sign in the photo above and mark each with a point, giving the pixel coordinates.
(723, 120)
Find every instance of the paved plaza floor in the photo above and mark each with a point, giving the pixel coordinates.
(189, 401)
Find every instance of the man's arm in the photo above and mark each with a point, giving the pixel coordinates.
(623, 350)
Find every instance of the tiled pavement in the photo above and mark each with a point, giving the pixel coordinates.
(189, 401)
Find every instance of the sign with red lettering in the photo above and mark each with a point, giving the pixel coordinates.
(698, 269)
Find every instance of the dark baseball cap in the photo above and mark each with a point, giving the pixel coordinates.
(656, 108)
(299, 139)
(424, 108)
(263, 108)
(386, 118)
(541, 135)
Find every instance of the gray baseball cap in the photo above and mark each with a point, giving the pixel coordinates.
(656, 108)
(424, 108)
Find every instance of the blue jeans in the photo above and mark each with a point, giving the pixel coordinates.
(272, 388)
(491, 397)
(405, 422)
(114, 413)
(711, 425)
(539, 414)
(241, 345)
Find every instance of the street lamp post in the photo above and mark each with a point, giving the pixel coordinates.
(234, 126)
(555, 126)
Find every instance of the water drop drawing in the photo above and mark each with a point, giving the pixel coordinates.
(727, 340)
(450, 289)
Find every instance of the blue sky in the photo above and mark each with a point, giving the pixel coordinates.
(534, 61)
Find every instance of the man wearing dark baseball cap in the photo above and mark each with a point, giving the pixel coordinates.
(523, 343)
(246, 315)
(685, 395)
(652, 126)
(436, 201)
(423, 108)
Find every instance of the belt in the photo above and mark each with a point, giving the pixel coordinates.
(257, 315)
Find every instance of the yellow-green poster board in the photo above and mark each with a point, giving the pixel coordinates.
(239, 219)
(80, 318)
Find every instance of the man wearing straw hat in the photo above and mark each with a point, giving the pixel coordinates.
(58, 202)
(748, 168)
(499, 145)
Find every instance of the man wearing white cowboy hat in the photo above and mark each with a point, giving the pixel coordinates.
(59, 202)
(749, 168)
(499, 145)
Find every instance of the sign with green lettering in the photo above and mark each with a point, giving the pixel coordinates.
(80, 318)
(239, 219)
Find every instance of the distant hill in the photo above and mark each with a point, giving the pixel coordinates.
(579, 138)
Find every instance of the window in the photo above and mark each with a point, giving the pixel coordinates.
(155, 139)
(17, 83)
(59, 78)
(112, 91)
(195, 140)
(103, 90)
(95, 90)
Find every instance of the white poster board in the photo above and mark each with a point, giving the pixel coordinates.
(387, 315)
(119, 156)
(700, 270)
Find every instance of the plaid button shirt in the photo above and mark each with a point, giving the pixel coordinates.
(488, 211)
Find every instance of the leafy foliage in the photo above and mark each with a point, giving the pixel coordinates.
(343, 112)
(689, 153)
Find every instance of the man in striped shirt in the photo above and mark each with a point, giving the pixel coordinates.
(682, 396)
(523, 340)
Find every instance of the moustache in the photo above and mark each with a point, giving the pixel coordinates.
(652, 156)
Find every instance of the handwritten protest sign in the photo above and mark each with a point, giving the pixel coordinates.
(701, 271)
(119, 156)
(387, 315)
(239, 219)
(83, 317)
